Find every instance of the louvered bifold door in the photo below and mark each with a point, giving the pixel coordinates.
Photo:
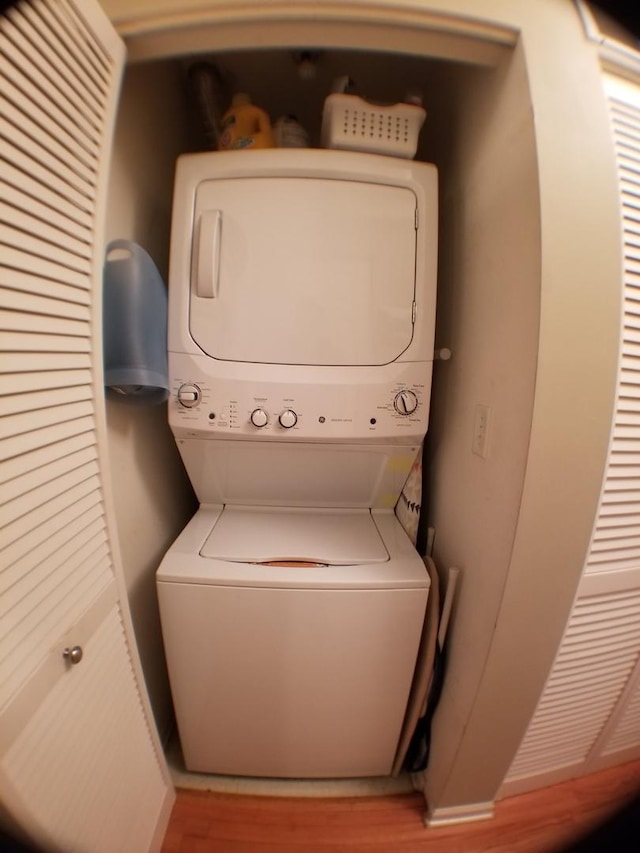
(60, 64)
(589, 713)
(597, 658)
(616, 541)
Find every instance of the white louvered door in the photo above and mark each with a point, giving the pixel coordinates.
(616, 541)
(80, 764)
(589, 714)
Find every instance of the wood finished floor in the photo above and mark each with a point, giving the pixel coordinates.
(539, 822)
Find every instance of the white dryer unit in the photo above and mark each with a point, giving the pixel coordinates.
(302, 311)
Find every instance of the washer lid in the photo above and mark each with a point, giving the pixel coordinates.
(335, 537)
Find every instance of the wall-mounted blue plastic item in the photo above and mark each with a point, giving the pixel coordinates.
(134, 326)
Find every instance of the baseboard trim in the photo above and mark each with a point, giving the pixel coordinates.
(162, 823)
(459, 814)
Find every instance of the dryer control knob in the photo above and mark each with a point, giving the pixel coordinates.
(288, 419)
(405, 403)
(189, 395)
(259, 418)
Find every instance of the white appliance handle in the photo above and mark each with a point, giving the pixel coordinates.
(207, 254)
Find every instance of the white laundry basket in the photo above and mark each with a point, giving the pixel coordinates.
(353, 124)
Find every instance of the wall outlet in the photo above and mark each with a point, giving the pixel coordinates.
(481, 424)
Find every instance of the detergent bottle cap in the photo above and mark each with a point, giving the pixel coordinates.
(240, 99)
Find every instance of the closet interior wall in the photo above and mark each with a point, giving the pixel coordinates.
(470, 125)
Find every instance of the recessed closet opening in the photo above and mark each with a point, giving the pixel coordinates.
(479, 133)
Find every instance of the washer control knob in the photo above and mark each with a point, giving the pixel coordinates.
(259, 418)
(288, 419)
(405, 403)
(189, 395)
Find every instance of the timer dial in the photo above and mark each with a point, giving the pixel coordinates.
(189, 395)
(405, 403)
(259, 418)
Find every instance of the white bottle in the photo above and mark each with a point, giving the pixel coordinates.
(289, 133)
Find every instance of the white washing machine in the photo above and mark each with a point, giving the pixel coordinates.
(302, 312)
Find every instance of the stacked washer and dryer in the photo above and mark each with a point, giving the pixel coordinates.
(302, 296)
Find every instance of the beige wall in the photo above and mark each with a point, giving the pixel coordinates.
(153, 498)
(489, 309)
(575, 382)
(532, 261)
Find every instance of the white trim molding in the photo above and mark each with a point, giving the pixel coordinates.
(468, 813)
(154, 30)
(615, 56)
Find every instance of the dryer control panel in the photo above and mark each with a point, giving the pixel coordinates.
(363, 404)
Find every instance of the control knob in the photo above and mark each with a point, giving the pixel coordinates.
(189, 395)
(259, 418)
(406, 402)
(288, 419)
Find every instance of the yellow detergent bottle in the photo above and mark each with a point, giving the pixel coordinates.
(245, 126)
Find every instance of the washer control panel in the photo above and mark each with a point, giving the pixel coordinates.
(189, 395)
(406, 402)
(365, 408)
(259, 418)
(287, 419)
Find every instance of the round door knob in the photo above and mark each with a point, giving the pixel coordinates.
(405, 403)
(73, 655)
(189, 395)
(288, 419)
(259, 418)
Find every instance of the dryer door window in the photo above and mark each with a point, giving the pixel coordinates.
(303, 271)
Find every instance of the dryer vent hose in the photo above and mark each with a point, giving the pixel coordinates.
(208, 89)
